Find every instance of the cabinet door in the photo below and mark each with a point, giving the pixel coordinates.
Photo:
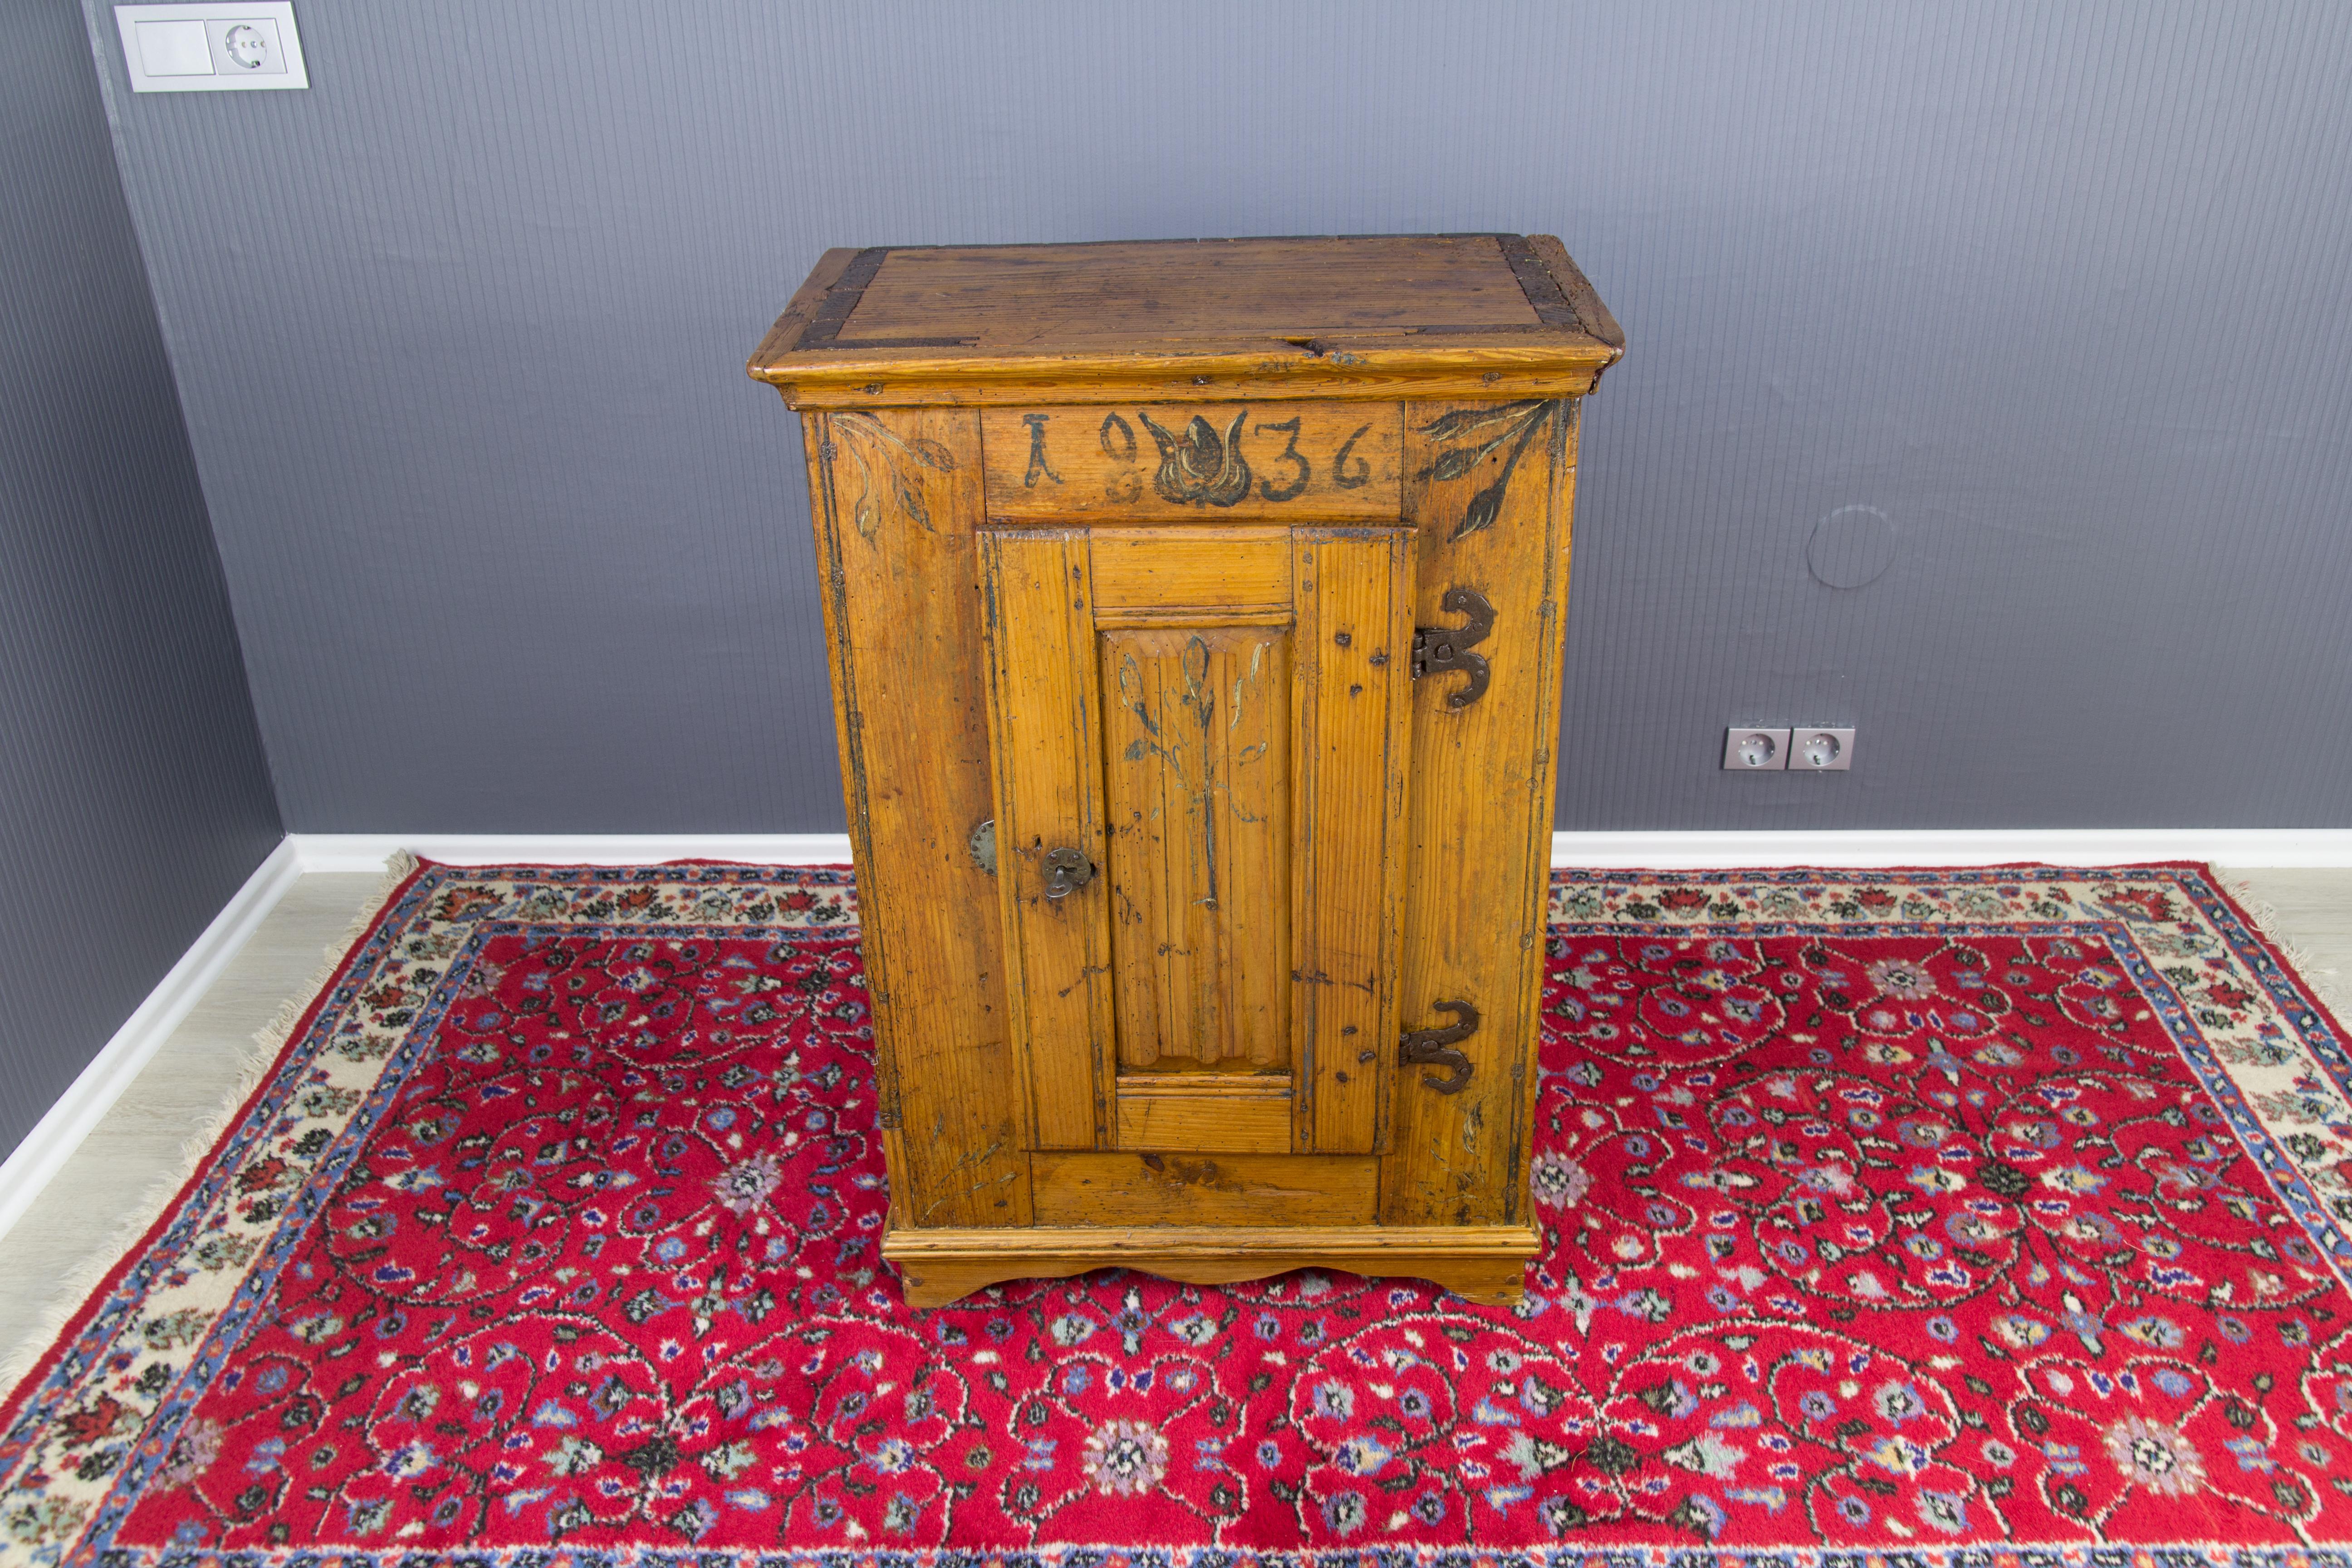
(1200, 738)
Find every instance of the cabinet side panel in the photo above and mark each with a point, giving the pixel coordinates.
(1352, 668)
(1045, 713)
(1543, 799)
(1488, 486)
(895, 496)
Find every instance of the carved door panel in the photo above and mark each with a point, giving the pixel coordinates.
(1200, 735)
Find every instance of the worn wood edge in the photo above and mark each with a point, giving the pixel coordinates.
(1484, 1263)
(1542, 802)
(1582, 298)
(824, 524)
(833, 589)
(1338, 354)
(1123, 618)
(1396, 833)
(1229, 1085)
(1409, 387)
(905, 1242)
(986, 548)
(790, 327)
(1464, 373)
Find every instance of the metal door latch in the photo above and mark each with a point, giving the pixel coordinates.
(1437, 649)
(1066, 870)
(1434, 1048)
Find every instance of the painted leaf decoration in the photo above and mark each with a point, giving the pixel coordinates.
(934, 454)
(911, 498)
(868, 517)
(1453, 465)
(1462, 421)
(1483, 509)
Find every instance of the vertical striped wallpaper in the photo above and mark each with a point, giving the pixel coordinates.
(2058, 290)
(134, 797)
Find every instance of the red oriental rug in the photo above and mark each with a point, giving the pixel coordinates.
(1980, 1217)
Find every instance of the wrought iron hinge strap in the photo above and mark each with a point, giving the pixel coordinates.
(1434, 1048)
(1438, 649)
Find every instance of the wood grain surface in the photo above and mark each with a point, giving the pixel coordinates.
(1046, 715)
(1225, 1114)
(1485, 1263)
(1481, 810)
(895, 496)
(1197, 807)
(1194, 1188)
(1352, 591)
(1052, 295)
(1181, 576)
(1385, 318)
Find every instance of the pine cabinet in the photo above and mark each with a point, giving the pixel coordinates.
(1195, 616)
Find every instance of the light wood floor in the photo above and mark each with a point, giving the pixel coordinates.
(139, 1143)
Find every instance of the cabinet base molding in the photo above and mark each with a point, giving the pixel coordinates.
(1484, 1263)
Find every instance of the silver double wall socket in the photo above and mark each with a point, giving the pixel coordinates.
(1803, 748)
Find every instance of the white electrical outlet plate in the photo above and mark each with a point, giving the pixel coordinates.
(1747, 751)
(1817, 749)
(217, 46)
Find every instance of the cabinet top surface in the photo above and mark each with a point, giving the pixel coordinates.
(1305, 315)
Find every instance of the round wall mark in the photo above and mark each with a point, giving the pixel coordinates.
(1851, 548)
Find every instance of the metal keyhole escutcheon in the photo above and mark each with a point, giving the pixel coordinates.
(1066, 870)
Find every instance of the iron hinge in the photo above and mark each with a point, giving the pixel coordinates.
(1434, 1048)
(1438, 649)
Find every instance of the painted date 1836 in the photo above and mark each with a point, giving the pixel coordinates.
(1235, 460)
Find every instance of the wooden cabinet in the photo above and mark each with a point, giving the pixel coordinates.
(1194, 617)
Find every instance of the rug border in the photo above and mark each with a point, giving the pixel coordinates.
(37, 1371)
(2275, 944)
(2278, 946)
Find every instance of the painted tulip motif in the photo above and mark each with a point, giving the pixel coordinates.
(1200, 468)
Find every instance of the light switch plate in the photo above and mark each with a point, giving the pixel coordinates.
(213, 46)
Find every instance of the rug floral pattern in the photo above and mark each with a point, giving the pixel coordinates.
(1962, 1215)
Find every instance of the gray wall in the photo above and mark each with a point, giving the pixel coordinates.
(133, 794)
(2059, 291)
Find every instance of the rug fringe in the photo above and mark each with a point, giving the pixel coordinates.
(74, 1287)
(2306, 963)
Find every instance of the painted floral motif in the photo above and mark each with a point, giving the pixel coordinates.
(886, 460)
(1968, 1217)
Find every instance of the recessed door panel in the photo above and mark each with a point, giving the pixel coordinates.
(1196, 741)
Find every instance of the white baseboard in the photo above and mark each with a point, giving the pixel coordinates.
(31, 1165)
(43, 1151)
(1658, 851)
(2235, 847)
(369, 851)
